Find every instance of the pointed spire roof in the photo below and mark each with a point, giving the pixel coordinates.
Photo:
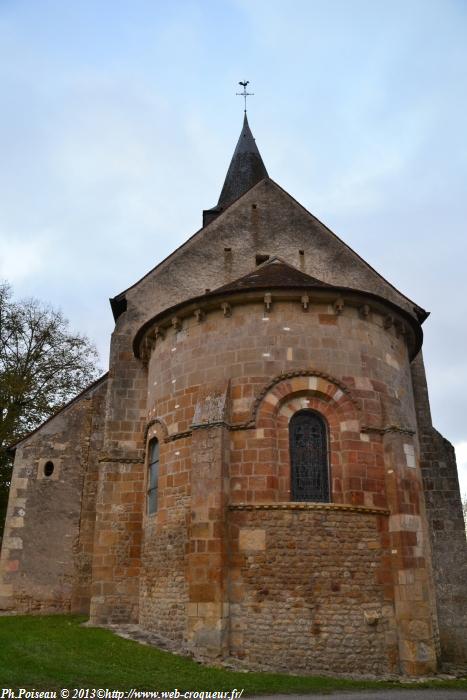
(246, 169)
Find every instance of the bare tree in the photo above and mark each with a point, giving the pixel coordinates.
(42, 366)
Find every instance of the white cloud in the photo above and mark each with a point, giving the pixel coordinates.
(22, 259)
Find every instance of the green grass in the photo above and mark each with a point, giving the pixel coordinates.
(53, 652)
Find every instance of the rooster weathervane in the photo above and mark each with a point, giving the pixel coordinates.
(244, 94)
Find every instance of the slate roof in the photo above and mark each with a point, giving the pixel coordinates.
(272, 273)
(246, 169)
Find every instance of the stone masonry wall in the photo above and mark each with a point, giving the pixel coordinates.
(307, 591)
(353, 370)
(116, 560)
(446, 525)
(266, 220)
(83, 548)
(163, 588)
(46, 554)
(120, 497)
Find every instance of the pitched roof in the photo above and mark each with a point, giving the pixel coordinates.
(119, 302)
(272, 273)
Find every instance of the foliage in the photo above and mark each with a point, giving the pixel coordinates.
(42, 366)
(53, 652)
(5, 476)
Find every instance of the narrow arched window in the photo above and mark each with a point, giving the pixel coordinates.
(308, 457)
(153, 476)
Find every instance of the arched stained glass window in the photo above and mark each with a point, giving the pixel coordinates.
(308, 457)
(153, 476)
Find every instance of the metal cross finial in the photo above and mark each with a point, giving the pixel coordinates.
(244, 94)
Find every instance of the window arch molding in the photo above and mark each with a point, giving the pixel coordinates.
(343, 417)
(156, 427)
(310, 383)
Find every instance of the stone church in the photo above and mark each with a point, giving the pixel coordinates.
(257, 477)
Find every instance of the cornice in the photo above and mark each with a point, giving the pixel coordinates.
(342, 507)
(394, 317)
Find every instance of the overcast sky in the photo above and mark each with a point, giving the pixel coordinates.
(118, 120)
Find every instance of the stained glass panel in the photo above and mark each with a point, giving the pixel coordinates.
(308, 457)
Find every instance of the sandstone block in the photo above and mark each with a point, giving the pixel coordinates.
(252, 539)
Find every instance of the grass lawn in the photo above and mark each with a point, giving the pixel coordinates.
(53, 652)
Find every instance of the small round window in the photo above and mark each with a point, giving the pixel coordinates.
(49, 468)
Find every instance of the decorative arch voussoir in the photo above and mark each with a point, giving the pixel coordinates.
(289, 389)
(162, 428)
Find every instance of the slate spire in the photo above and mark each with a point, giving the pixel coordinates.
(245, 170)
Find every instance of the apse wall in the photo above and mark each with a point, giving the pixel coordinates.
(237, 566)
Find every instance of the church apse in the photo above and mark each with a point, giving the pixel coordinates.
(264, 482)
